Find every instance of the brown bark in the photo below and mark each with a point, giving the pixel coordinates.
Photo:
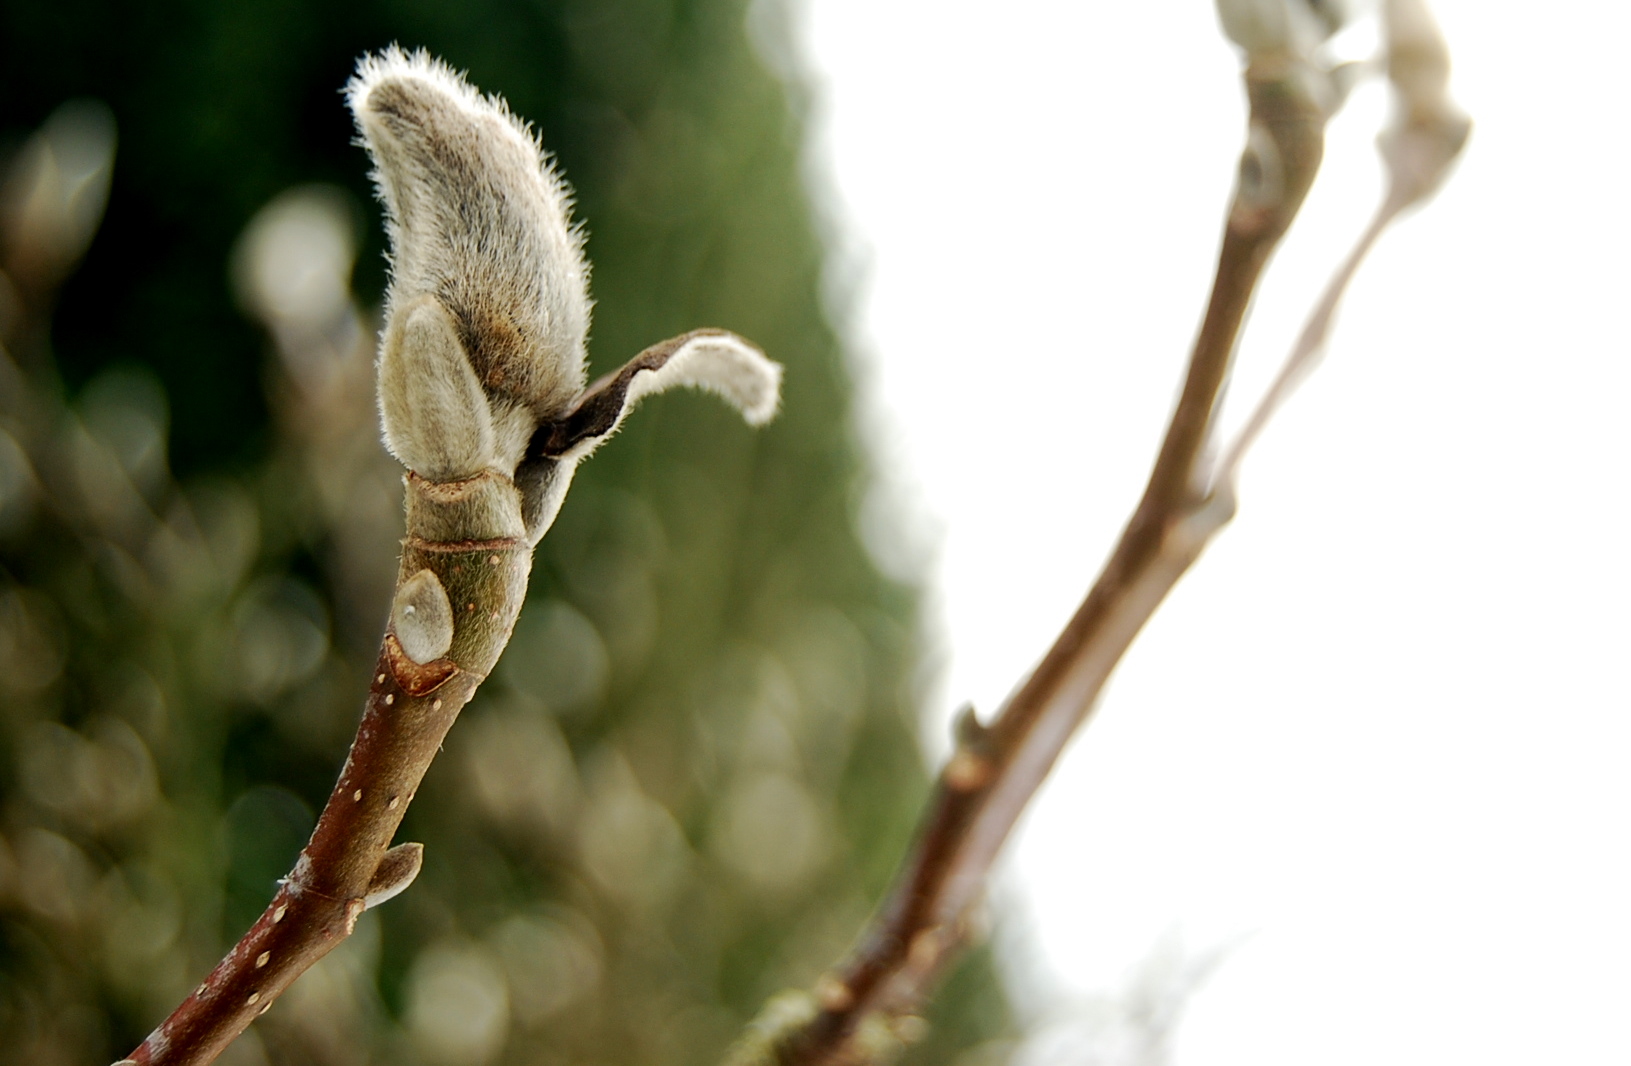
(470, 535)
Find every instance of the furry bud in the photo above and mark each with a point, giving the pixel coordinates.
(396, 871)
(481, 233)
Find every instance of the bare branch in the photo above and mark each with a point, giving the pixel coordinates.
(997, 769)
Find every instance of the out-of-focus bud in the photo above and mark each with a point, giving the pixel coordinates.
(292, 266)
(291, 270)
(1280, 27)
(764, 1041)
(1418, 61)
(1429, 131)
(482, 362)
(54, 198)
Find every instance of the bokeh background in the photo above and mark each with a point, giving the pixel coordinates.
(697, 763)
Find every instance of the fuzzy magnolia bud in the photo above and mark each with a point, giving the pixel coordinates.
(482, 359)
(487, 269)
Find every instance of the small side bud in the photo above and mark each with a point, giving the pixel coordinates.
(436, 418)
(967, 729)
(396, 871)
(422, 618)
(1281, 27)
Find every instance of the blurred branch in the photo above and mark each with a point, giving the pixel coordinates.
(1428, 134)
(863, 1009)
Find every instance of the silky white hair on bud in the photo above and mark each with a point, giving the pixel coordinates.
(480, 223)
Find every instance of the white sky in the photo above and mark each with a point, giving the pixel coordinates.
(1381, 734)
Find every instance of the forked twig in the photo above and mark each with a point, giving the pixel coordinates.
(1418, 151)
(994, 771)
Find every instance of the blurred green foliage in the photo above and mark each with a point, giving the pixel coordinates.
(694, 769)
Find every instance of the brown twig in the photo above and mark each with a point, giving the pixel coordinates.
(464, 570)
(471, 536)
(1426, 139)
(995, 770)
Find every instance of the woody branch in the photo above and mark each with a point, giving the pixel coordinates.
(995, 769)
